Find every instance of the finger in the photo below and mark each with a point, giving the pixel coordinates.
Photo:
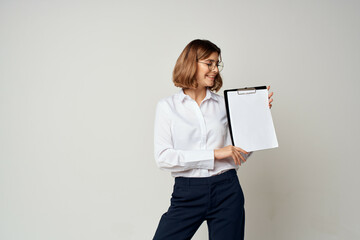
(270, 105)
(236, 160)
(270, 94)
(268, 88)
(270, 100)
(241, 157)
(241, 150)
(238, 156)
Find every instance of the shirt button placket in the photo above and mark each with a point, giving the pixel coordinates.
(202, 126)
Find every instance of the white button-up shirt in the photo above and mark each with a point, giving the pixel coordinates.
(186, 135)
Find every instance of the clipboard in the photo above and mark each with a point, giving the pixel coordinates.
(249, 118)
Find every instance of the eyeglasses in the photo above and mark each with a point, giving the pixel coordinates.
(212, 64)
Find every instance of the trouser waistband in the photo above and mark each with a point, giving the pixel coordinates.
(206, 180)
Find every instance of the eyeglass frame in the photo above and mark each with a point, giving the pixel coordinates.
(212, 66)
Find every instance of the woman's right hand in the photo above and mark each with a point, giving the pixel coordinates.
(230, 151)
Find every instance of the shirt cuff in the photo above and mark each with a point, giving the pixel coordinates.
(200, 159)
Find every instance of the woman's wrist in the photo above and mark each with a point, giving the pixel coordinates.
(215, 154)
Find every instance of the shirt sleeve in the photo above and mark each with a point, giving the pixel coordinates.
(175, 160)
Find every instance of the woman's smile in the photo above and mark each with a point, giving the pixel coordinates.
(212, 77)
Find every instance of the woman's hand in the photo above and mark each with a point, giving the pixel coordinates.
(230, 151)
(270, 95)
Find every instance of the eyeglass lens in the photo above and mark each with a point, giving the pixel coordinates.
(220, 66)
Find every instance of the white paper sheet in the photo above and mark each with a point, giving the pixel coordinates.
(251, 121)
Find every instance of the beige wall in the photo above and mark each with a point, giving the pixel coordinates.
(78, 86)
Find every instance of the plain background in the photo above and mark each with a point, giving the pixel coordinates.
(79, 82)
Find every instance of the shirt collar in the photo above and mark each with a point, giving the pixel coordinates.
(209, 95)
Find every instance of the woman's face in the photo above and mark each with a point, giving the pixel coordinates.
(204, 76)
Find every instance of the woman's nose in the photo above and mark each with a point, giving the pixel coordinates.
(215, 69)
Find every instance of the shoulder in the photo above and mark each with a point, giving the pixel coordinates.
(219, 102)
(167, 103)
(218, 97)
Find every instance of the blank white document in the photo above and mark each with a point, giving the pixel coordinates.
(250, 119)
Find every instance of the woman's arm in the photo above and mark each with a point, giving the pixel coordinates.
(175, 160)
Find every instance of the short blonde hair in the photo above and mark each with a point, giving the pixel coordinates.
(186, 65)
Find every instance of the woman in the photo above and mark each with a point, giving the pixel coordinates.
(191, 140)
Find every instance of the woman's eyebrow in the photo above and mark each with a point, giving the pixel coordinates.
(211, 60)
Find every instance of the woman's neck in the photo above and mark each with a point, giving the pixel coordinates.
(197, 94)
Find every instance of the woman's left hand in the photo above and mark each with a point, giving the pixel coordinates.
(270, 95)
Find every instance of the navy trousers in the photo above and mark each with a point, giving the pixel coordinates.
(217, 199)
